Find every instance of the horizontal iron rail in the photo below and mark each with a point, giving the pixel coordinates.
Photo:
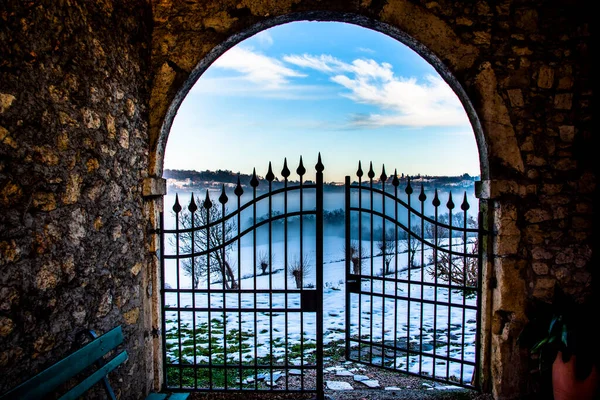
(247, 205)
(233, 239)
(391, 218)
(474, 289)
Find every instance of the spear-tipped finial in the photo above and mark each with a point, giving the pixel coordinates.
(436, 200)
(409, 188)
(465, 204)
(193, 206)
(359, 171)
(254, 180)
(270, 176)
(395, 180)
(301, 170)
(383, 177)
(319, 166)
(223, 197)
(450, 203)
(238, 188)
(176, 206)
(285, 172)
(207, 203)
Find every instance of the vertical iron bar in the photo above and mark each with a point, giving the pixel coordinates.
(464, 294)
(359, 173)
(371, 174)
(270, 275)
(285, 173)
(408, 272)
(480, 243)
(255, 284)
(192, 209)
(209, 294)
(347, 242)
(383, 267)
(162, 291)
(395, 330)
(301, 280)
(422, 198)
(224, 273)
(319, 279)
(435, 279)
(449, 286)
(238, 192)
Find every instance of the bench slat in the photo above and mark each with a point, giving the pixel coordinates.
(156, 396)
(51, 378)
(96, 377)
(179, 396)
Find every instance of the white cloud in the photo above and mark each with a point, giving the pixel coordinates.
(269, 72)
(264, 38)
(407, 102)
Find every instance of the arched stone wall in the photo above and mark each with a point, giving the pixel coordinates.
(503, 62)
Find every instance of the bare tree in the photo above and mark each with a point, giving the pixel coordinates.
(413, 243)
(387, 249)
(203, 239)
(355, 257)
(299, 269)
(263, 261)
(457, 269)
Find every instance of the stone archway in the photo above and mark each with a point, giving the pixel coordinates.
(188, 38)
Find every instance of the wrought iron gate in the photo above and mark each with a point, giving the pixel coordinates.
(236, 318)
(423, 275)
(242, 289)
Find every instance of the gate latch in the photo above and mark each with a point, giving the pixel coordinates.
(308, 301)
(353, 285)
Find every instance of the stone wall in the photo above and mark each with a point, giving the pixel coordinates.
(88, 90)
(73, 155)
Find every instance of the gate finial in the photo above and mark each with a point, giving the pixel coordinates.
(176, 206)
(223, 197)
(207, 203)
(285, 172)
(409, 188)
(371, 173)
(301, 170)
(450, 203)
(254, 180)
(383, 177)
(436, 200)
(319, 166)
(395, 180)
(270, 176)
(192, 207)
(422, 196)
(465, 204)
(359, 172)
(238, 189)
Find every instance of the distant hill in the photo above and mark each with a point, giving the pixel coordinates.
(188, 180)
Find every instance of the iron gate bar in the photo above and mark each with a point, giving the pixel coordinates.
(454, 283)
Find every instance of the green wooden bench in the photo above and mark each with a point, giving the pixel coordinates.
(79, 362)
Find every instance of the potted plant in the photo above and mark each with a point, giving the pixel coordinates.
(562, 335)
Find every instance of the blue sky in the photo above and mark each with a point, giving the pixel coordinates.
(302, 88)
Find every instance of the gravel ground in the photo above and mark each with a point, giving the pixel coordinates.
(409, 388)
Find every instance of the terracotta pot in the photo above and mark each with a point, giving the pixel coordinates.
(566, 387)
